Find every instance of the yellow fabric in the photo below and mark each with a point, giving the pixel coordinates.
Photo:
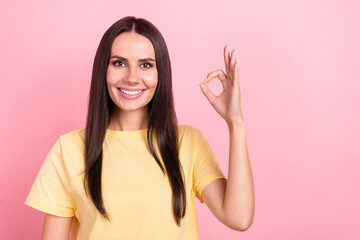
(136, 194)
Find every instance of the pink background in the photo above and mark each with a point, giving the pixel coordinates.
(299, 79)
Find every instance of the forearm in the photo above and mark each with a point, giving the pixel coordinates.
(239, 200)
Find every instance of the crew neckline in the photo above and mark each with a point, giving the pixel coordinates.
(133, 133)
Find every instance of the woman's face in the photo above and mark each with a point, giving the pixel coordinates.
(132, 76)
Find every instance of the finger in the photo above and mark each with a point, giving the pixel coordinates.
(218, 73)
(227, 58)
(236, 74)
(207, 92)
(232, 64)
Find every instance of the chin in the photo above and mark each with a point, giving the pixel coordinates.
(132, 108)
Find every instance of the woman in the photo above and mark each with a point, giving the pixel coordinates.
(133, 173)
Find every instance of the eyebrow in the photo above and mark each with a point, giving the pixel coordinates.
(140, 60)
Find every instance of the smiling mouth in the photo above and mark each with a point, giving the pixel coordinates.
(131, 92)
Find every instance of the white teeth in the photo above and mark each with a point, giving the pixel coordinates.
(130, 92)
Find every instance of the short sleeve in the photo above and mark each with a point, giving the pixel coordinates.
(206, 167)
(49, 193)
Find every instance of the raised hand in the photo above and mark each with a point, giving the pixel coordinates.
(227, 104)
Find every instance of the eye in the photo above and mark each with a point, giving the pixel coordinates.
(117, 63)
(148, 65)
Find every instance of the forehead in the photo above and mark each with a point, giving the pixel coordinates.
(132, 45)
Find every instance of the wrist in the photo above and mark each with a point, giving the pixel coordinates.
(240, 125)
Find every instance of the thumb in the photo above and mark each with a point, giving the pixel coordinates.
(207, 92)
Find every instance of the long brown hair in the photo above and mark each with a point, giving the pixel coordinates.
(162, 124)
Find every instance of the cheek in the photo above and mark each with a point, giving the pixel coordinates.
(110, 77)
(151, 80)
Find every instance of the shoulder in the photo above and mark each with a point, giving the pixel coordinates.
(187, 129)
(74, 138)
(73, 135)
(189, 132)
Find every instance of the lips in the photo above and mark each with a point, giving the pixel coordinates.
(131, 93)
(130, 89)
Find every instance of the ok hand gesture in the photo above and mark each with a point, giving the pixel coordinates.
(227, 104)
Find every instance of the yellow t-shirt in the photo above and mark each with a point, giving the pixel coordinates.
(136, 193)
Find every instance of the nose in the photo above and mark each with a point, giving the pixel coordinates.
(132, 77)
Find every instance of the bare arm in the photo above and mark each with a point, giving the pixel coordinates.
(239, 199)
(232, 200)
(56, 227)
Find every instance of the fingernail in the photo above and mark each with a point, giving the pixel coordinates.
(205, 80)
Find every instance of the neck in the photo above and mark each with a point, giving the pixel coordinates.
(128, 120)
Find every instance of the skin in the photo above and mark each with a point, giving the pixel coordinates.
(231, 200)
(128, 115)
(56, 228)
(131, 73)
